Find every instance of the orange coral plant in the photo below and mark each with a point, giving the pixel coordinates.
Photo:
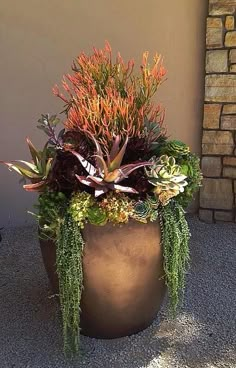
(105, 99)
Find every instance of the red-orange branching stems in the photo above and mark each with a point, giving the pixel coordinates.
(105, 99)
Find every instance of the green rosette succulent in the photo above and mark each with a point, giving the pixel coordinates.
(97, 216)
(153, 202)
(190, 166)
(165, 175)
(176, 148)
(144, 210)
(141, 211)
(173, 148)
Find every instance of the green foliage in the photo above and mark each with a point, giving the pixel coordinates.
(146, 210)
(141, 211)
(176, 148)
(173, 148)
(175, 243)
(190, 166)
(79, 206)
(97, 216)
(48, 125)
(36, 171)
(70, 246)
(51, 208)
(165, 175)
(118, 207)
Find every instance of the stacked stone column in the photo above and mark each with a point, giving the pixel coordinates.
(217, 195)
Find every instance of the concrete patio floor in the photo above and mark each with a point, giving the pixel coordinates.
(203, 335)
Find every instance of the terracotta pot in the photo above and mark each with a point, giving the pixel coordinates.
(123, 278)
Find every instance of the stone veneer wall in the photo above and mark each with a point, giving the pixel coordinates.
(217, 195)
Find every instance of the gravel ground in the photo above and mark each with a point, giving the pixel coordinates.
(202, 336)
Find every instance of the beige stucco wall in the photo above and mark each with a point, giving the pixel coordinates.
(38, 40)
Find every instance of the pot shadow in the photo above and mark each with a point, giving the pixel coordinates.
(202, 335)
(206, 325)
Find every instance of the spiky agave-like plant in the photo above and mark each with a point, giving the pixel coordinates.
(37, 171)
(108, 173)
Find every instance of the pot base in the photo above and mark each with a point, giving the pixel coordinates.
(123, 278)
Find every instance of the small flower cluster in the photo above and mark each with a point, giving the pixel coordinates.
(79, 207)
(116, 208)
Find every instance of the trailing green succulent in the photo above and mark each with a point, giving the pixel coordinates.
(175, 243)
(70, 245)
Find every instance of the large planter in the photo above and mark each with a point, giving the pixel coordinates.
(123, 278)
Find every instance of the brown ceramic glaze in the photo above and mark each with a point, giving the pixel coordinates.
(123, 278)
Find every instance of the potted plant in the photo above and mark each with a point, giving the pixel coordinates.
(112, 192)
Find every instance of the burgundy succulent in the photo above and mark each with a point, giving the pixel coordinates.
(108, 173)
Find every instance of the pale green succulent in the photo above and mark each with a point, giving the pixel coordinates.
(165, 175)
(79, 206)
(177, 148)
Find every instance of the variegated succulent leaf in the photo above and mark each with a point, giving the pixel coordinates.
(37, 171)
(165, 175)
(107, 174)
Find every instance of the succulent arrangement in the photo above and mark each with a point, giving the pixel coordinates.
(110, 162)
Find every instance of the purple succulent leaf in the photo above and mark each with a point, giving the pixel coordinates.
(124, 189)
(125, 170)
(98, 153)
(100, 191)
(91, 170)
(85, 181)
(60, 134)
(34, 187)
(116, 162)
(115, 148)
(96, 180)
(34, 153)
(98, 147)
(101, 164)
